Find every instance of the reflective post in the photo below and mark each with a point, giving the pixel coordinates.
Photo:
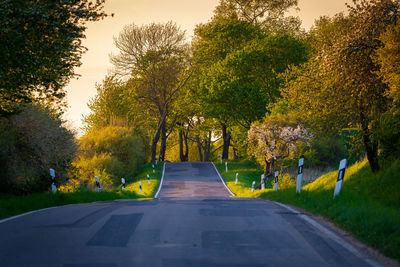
(300, 175)
(276, 181)
(97, 183)
(53, 181)
(123, 183)
(339, 182)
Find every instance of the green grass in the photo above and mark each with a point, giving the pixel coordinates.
(148, 190)
(11, 205)
(368, 205)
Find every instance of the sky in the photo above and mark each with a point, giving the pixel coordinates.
(186, 13)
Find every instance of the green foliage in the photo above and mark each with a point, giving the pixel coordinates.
(269, 14)
(249, 171)
(148, 190)
(340, 87)
(248, 77)
(32, 142)
(110, 153)
(388, 135)
(388, 57)
(215, 40)
(11, 205)
(40, 47)
(110, 106)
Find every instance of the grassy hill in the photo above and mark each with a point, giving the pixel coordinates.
(368, 205)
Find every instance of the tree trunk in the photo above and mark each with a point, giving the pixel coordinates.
(181, 157)
(154, 145)
(371, 147)
(163, 147)
(185, 138)
(226, 136)
(207, 148)
(235, 156)
(199, 148)
(156, 138)
(183, 143)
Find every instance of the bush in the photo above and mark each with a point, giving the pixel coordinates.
(31, 143)
(388, 135)
(110, 153)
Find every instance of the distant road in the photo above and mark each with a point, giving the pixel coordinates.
(194, 222)
(192, 179)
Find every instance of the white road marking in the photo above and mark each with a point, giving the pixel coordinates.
(222, 180)
(162, 179)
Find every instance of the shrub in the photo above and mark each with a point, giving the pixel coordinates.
(388, 135)
(110, 153)
(32, 142)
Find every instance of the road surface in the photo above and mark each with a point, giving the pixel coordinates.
(194, 222)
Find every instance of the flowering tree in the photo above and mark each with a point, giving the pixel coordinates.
(274, 139)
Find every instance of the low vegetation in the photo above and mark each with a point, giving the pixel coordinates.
(11, 205)
(367, 207)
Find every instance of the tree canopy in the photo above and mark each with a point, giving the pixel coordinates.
(40, 47)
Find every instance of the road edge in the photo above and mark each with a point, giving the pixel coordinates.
(161, 181)
(222, 180)
(330, 234)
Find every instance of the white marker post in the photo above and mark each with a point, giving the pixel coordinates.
(154, 171)
(123, 183)
(226, 166)
(252, 186)
(262, 181)
(300, 175)
(53, 181)
(140, 187)
(339, 182)
(156, 162)
(237, 175)
(97, 183)
(276, 181)
(148, 178)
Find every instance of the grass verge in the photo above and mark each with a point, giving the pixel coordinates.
(11, 205)
(368, 205)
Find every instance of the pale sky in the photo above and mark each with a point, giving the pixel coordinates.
(186, 13)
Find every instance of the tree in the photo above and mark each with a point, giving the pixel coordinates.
(154, 57)
(110, 152)
(249, 77)
(32, 142)
(269, 14)
(340, 85)
(213, 42)
(40, 47)
(388, 58)
(274, 139)
(110, 106)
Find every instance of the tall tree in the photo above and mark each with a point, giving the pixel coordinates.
(341, 83)
(154, 57)
(249, 77)
(40, 47)
(213, 42)
(269, 14)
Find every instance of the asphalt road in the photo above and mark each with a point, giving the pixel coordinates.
(193, 223)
